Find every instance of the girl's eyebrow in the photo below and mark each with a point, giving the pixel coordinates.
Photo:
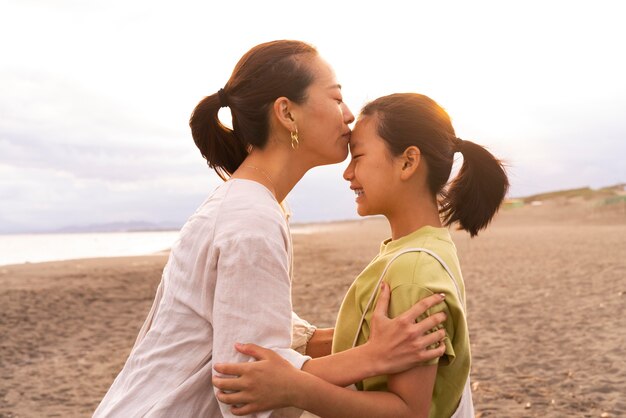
(335, 86)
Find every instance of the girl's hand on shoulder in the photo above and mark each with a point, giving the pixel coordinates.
(268, 383)
(399, 344)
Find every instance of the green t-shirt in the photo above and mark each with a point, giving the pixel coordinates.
(412, 277)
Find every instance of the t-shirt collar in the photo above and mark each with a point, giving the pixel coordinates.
(389, 245)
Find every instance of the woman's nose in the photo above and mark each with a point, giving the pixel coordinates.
(348, 117)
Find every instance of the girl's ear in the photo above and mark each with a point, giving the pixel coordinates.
(410, 160)
(283, 112)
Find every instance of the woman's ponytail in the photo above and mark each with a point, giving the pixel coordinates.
(218, 144)
(475, 194)
(264, 73)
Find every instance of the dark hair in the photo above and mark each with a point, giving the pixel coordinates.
(266, 72)
(475, 194)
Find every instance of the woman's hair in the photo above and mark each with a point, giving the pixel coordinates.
(266, 72)
(475, 194)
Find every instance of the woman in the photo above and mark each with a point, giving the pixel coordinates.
(402, 154)
(228, 277)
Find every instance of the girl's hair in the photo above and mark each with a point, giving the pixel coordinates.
(266, 72)
(475, 194)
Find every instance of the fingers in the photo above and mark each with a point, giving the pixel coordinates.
(233, 369)
(239, 402)
(245, 410)
(254, 350)
(382, 305)
(423, 305)
(432, 353)
(227, 383)
(431, 322)
(432, 338)
(236, 398)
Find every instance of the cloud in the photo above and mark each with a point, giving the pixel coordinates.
(95, 99)
(55, 124)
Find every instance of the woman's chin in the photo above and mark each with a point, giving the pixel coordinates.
(341, 157)
(333, 159)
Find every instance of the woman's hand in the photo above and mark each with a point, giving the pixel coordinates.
(268, 383)
(399, 344)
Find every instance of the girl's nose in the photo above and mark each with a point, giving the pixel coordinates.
(348, 172)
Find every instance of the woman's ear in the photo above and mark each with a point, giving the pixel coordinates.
(410, 160)
(283, 112)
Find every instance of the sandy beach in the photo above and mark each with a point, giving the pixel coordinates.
(546, 309)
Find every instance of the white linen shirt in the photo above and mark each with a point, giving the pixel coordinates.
(227, 280)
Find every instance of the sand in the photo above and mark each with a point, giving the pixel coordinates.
(546, 306)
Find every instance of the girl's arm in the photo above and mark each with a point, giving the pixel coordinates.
(394, 345)
(409, 396)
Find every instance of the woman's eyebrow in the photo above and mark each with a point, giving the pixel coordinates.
(335, 86)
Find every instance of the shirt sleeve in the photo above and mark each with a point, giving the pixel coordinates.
(252, 301)
(301, 333)
(405, 296)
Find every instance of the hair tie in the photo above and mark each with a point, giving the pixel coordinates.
(223, 98)
(458, 144)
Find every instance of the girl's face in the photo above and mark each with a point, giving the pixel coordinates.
(323, 119)
(372, 171)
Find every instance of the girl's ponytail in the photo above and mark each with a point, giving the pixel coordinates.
(475, 194)
(218, 144)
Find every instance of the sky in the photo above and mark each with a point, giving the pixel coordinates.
(95, 96)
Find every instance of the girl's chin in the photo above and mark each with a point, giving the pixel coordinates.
(361, 210)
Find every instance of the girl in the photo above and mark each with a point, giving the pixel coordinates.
(402, 153)
(228, 277)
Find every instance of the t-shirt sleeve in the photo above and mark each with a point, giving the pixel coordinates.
(404, 297)
(252, 301)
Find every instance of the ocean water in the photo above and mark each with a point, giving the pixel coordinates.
(35, 248)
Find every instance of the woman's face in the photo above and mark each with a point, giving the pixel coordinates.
(323, 119)
(372, 170)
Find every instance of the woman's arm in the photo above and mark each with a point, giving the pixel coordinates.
(321, 343)
(252, 300)
(308, 339)
(409, 396)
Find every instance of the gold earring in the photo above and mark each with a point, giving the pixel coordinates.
(294, 139)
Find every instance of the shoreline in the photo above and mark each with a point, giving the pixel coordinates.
(296, 229)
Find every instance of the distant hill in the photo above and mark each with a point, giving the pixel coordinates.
(133, 226)
(586, 193)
